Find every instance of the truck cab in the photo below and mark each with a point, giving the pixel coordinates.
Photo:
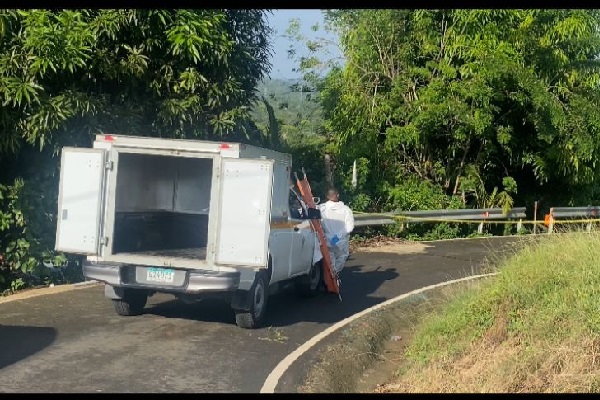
(185, 217)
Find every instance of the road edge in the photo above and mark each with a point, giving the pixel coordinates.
(272, 380)
(28, 294)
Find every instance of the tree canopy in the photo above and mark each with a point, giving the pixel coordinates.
(66, 74)
(506, 98)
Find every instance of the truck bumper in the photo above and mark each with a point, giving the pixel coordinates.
(191, 281)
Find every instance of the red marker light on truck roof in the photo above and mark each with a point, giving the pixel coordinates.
(224, 146)
(109, 138)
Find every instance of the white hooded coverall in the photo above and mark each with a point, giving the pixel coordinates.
(337, 219)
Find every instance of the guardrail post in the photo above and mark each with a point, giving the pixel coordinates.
(535, 207)
(550, 225)
(519, 225)
(480, 228)
(588, 228)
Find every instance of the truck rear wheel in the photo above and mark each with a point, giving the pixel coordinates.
(132, 303)
(308, 285)
(253, 318)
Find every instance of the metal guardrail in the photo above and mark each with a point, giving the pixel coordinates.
(589, 214)
(473, 214)
(557, 215)
(374, 219)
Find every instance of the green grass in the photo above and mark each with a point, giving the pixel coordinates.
(544, 302)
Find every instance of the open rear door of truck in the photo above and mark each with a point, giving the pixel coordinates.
(80, 200)
(244, 217)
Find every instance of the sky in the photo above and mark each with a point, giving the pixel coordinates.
(279, 20)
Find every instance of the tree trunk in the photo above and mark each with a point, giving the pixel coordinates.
(460, 169)
(274, 132)
(328, 170)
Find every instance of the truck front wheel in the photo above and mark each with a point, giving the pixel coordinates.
(132, 302)
(308, 285)
(253, 318)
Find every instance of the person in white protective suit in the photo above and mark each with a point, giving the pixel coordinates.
(338, 222)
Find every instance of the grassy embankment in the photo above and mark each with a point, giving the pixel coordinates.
(535, 327)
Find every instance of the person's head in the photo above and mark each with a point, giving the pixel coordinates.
(333, 194)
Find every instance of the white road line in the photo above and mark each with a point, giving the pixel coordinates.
(275, 375)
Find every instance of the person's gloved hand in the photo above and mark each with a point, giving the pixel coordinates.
(334, 240)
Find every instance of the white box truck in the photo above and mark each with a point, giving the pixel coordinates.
(186, 217)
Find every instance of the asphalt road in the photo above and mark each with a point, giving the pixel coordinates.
(74, 342)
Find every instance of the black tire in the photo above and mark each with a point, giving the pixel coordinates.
(132, 303)
(253, 318)
(309, 285)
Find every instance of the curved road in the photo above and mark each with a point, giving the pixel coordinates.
(74, 341)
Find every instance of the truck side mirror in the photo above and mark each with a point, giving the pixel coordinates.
(314, 213)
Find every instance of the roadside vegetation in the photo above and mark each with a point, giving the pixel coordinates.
(534, 327)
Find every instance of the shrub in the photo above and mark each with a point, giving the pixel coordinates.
(27, 229)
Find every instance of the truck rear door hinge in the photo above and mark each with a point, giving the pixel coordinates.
(104, 241)
(109, 165)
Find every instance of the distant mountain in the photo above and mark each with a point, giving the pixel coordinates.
(277, 86)
(296, 111)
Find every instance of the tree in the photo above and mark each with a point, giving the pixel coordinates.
(441, 94)
(66, 75)
(168, 73)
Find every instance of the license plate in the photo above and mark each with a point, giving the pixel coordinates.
(160, 275)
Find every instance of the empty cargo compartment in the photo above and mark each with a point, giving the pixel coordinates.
(162, 205)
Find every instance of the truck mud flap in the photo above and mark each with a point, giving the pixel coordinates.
(241, 300)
